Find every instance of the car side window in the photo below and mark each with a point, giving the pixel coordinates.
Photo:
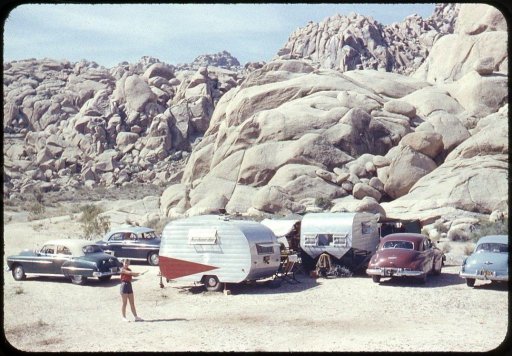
(63, 250)
(127, 236)
(48, 249)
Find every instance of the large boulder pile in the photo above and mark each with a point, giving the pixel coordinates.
(366, 140)
(359, 42)
(69, 124)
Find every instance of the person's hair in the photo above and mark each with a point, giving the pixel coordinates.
(126, 260)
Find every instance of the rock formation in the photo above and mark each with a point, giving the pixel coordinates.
(407, 120)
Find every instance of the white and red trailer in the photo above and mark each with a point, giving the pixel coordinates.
(214, 250)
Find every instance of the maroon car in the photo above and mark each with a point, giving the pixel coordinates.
(405, 255)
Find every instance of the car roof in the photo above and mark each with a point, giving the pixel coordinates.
(74, 245)
(404, 236)
(502, 239)
(134, 229)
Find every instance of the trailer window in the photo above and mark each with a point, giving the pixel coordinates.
(309, 240)
(264, 249)
(202, 236)
(339, 240)
(367, 228)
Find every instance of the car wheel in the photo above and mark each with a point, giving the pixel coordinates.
(423, 279)
(18, 273)
(78, 279)
(212, 284)
(470, 282)
(104, 278)
(153, 258)
(376, 279)
(437, 272)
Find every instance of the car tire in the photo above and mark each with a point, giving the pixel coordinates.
(18, 273)
(423, 279)
(104, 278)
(470, 282)
(153, 258)
(376, 279)
(212, 284)
(437, 272)
(78, 279)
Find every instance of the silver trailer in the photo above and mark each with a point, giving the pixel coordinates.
(349, 238)
(214, 250)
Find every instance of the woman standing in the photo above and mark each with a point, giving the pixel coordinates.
(126, 289)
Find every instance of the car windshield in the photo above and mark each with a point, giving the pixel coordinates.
(492, 247)
(398, 244)
(91, 249)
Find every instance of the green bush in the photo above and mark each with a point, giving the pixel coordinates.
(486, 227)
(93, 224)
(323, 203)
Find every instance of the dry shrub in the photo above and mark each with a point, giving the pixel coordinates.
(458, 235)
(35, 211)
(446, 247)
(468, 249)
(93, 224)
(157, 224)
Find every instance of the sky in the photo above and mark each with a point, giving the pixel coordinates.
(109, 34)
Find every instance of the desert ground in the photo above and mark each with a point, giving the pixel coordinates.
(335, 314)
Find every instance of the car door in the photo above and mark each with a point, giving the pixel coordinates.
(62, 255)
(45, 260)
(115, 244)
(130, 247)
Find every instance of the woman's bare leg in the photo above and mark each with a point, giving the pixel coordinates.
(132, 304)
(125, 300)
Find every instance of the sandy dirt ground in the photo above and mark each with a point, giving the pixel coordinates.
(338, 314)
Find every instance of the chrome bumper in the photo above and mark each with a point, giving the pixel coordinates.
(392, 272)
(484, 276)
(102, 274)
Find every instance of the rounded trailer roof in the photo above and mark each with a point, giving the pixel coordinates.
(249, 228)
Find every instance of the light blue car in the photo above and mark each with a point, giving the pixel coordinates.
(489, 261)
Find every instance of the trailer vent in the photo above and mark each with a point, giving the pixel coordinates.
(202, 236)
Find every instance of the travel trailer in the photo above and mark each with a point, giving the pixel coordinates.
(349, 238)
(214, 250)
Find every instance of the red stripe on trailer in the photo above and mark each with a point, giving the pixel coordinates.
(174, 268)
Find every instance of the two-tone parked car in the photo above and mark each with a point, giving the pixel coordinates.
(405, 255)
(488, 262)
(73, 258)
(133, 242)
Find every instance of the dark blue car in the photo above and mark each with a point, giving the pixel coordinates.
(133, 242)
(72, 258)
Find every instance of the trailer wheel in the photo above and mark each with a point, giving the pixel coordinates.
(376, 278)
(212, 283)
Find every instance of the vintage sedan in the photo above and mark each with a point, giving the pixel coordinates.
(489, 261)
(405, 255)
(132, 242)
(73, 258)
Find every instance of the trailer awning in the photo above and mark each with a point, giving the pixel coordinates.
(280, 227)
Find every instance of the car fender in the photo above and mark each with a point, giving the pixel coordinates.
(78, 267)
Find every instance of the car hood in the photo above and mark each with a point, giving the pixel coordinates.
(394, 258)
(497, 260)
